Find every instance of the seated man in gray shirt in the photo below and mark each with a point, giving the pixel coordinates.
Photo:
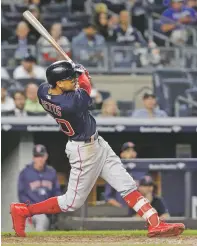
(150, 109)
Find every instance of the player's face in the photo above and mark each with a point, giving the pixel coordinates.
(67, 85)
(150, 103)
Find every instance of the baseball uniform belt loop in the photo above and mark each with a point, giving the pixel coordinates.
(90, 140)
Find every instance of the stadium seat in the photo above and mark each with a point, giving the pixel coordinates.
(5, 83)
(60, 10)
(79, 17)
(15, 17)
(167, 75)
(72, 25)
(192, 93)
(171, 73)
(70, 33)
(77, 6)
(5, 8)
(11, 25)
(125, 107)
(172, 88)
(156, 6)
(184, 111)
(105, 94)
(47, 17)
(115, 7)
(14, 86)
(193, 75)
(36, 113)
(20, 8)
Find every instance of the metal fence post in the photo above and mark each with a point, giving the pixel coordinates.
(188, 193)
(84, 213)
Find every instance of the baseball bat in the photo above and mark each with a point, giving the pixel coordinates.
(40, 28)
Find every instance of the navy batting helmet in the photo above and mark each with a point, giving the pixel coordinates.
(62, 70)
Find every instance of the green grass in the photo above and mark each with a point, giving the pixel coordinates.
(95, 233)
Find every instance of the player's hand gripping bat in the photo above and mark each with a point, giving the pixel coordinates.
(39, 27)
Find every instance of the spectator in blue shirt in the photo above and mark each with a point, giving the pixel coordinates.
(174, 18)
(88, 46)
(125, 33)
(150, 109)
(38, 182)
(22, 39)
(192, 4)
(88, 37)
(112, 197)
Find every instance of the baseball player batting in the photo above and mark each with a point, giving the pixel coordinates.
(66, 97)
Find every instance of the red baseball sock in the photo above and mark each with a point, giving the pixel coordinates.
(49, 206)
(142, 206)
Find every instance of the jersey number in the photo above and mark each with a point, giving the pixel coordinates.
(65, 127)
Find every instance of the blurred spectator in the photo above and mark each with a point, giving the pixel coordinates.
(87, 47)
(4, 73)
(125, 33)
(113, 22)
(19, 100)
(192, 4)
(112, 197)
(101, 8)
(128, 151)
(150, 109)
(47, 52)
(109, 108)
(88, 37)
(7, 103)
(32, 104)
(174, 18)
(38, 3)
(38, 182)
(146, 188)
(36, 13)
(22, 39)
(138, 11)
(29, 69)
(102, 25)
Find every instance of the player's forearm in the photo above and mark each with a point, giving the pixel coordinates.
(84, 83)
